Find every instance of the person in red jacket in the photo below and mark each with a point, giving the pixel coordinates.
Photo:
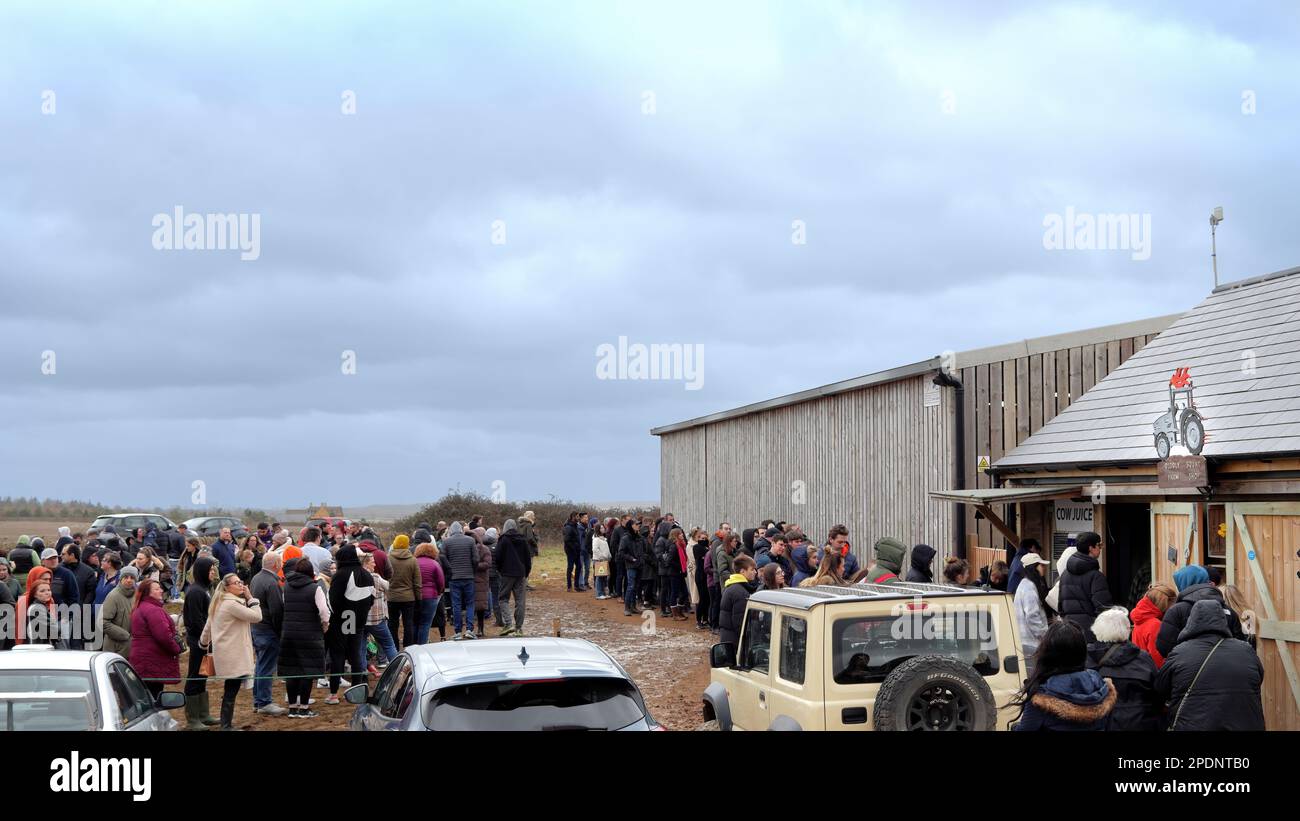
(1146, 618)
(155, 646)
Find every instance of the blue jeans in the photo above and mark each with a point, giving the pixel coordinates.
(602, 585)
(462, 598)
(266, 644)
(384, 639)
(176, 579)
(586, 568)
(629, 592)
(428, 609)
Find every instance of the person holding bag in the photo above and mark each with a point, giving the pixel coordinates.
(600, 557)
(228, 633)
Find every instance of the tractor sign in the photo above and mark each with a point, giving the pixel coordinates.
(1181, 424)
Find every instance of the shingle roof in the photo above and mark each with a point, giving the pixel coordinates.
(1246, 412)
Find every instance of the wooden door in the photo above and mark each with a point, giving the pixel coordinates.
(1175, 540)
(1263, 538)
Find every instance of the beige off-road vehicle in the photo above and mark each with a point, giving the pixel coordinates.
(898, 656)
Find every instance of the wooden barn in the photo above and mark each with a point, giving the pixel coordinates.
(868, 452)
(1186, 453)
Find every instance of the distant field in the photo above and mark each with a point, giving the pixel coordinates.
(47, 529)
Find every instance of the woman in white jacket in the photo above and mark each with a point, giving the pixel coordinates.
(600, 553)
(1031, 617)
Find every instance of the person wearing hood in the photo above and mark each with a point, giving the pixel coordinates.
(921, 568)
(1211, 680)
(482, 573)
(1193, 585)
(803, 556)
(22, 559)
(461, 551)
(1017, 570)
(155, 646)
(735, 597)
(198, 598)
(1147, 617)
(114, 616)
(516, 564)
(42, 625)
(492, 541)
(352, 591)
(404, 592)
(1130, 671)
(1083, 589)
(1031, 614)
(1062, 693)
(889, 562)
(306, 617)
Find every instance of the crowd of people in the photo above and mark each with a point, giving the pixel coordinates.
(333, 605)
(317, 609)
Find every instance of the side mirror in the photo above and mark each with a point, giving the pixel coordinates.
(171, 700)
(722, 655)
(356, 694)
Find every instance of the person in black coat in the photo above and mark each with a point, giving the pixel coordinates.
(572, 554)
(633, 551)
(1062, 694)
(351, 592)
(302, 636)
(1193, 586)
(921, 569)
(1129, 669)
(1212, 680)
(1083, 591)
(735, 597)
(195, 613)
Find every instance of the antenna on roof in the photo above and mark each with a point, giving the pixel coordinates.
(1216, 217)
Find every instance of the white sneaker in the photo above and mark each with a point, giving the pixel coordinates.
(322, 682)
(271, 710)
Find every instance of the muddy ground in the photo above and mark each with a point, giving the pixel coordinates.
(667, 659)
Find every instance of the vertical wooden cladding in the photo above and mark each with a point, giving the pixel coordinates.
(1008, 401)
(866, 458)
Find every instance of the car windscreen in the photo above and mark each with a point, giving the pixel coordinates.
(66, 708)
(592, 703)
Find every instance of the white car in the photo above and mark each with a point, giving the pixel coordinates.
(46, 689)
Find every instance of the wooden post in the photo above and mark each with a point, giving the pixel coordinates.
(1000, 525)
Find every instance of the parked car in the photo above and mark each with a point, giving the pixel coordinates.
(126, 523)
(210, 526)
(317, 521)
(868, 657)
(502, 684)
(46, 689)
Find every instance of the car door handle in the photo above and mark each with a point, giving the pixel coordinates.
(853, 715)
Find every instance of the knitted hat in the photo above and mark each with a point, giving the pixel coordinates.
(130, 570)
(401, 542)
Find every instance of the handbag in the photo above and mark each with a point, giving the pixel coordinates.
(1192, 686)
(206, 666)
(600, 568)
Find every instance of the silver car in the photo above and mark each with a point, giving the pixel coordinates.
(46, 689)
(502, 684)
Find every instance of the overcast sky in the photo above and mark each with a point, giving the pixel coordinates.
(521, 184)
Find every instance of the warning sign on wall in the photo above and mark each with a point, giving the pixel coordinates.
(982, 464)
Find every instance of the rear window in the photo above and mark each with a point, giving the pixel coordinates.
(102, 522)
(866, 650)
(547, 704)
(19, 711)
